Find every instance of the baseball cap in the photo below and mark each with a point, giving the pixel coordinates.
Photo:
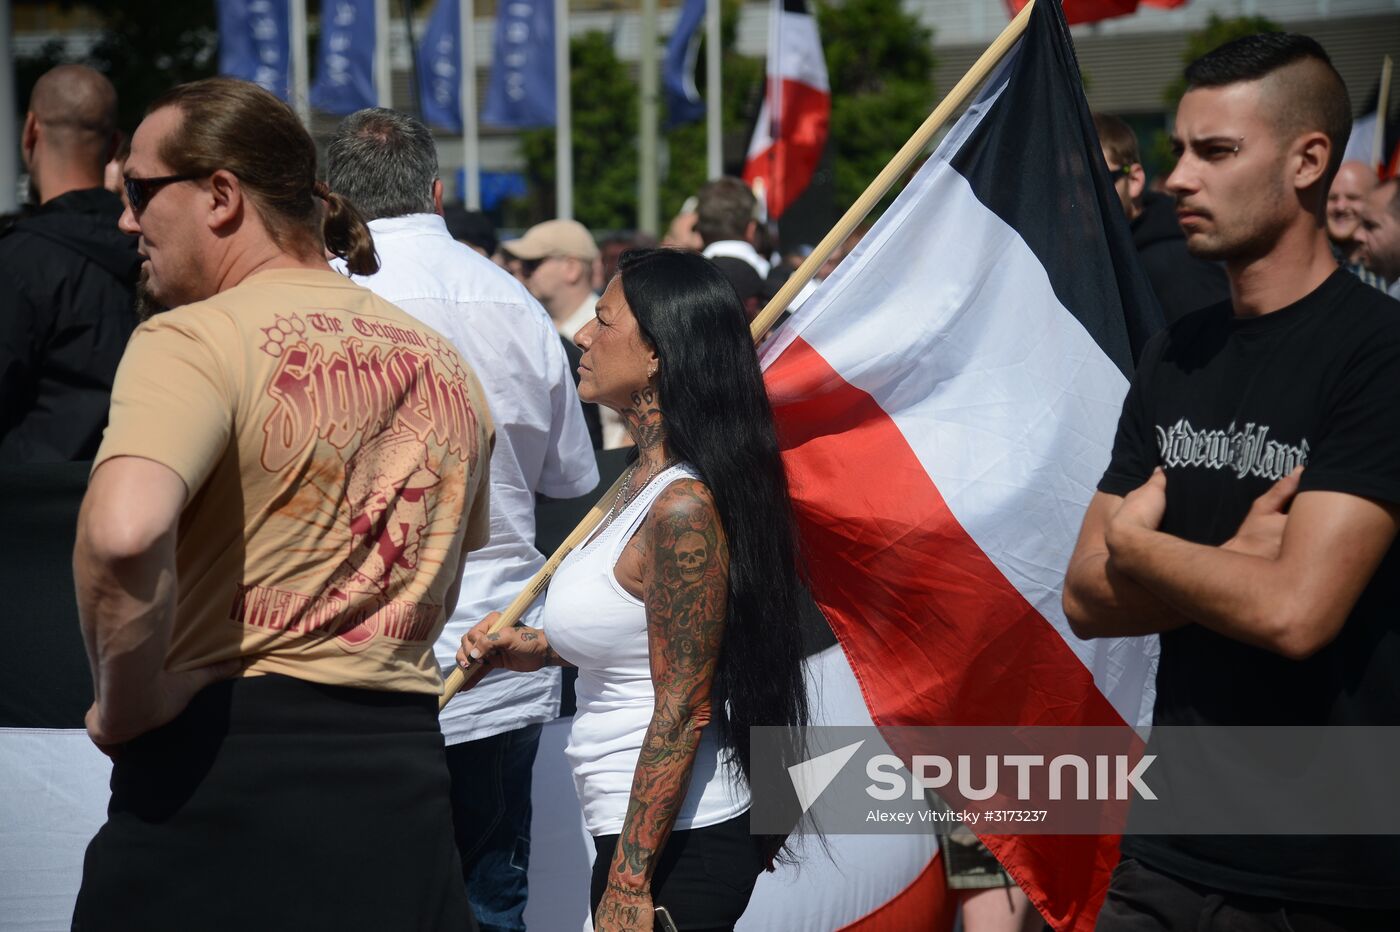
(553, 238)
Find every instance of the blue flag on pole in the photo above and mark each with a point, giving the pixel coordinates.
(683, 102)
(255, 44)
(345, 63)
(521, 89)
(440, 67)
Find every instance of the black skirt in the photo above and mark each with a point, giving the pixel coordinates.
(272, 803)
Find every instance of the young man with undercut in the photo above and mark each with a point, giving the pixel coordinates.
(1249, 513)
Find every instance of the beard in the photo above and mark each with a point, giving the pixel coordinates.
(147, 304)
(1247, 235)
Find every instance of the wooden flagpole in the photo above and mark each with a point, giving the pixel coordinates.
(903, 160)
(1378, 153)
(891, 173)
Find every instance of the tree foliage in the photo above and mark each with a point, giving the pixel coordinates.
(604, 141)
(144, 54)
(742, 92)
(605, 116)
(1215, 33)
(880, 63)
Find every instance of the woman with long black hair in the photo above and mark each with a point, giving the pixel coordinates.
(681, 611)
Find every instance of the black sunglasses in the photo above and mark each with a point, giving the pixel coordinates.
(140, 190)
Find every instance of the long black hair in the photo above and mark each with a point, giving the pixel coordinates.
(716, 415)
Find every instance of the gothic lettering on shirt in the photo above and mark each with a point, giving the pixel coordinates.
(339, 395)
(1244, 451)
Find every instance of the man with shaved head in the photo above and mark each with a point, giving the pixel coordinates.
(1354, 181)
(1249, 514)
(67, 276)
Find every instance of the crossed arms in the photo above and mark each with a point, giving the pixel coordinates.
(1285, 582)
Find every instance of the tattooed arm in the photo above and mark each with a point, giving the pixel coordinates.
(520, 648)
(685, 588)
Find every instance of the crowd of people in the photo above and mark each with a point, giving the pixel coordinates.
(320, 413)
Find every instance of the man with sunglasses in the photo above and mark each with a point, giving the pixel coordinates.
(1182, 282)
(556, 264)
(67, 276)
(556, 261)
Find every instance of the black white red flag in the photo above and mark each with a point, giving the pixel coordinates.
(792, 124)
(946, 404)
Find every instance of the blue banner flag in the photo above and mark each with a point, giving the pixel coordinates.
(440, 67)
(254, 43)
(521, 91)
(345, 64)
(683, 102)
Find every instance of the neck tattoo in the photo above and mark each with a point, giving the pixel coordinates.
(643, 419)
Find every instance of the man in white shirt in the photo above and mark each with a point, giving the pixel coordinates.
(725, 212)
(385, 163)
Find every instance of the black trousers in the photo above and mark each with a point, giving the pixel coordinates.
(1142, 899)
(704, 878)
(271, 803)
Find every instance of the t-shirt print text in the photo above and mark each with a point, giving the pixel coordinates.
(1246, 451)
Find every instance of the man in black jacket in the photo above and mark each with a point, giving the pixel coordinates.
(1182, 282)
(67, 277)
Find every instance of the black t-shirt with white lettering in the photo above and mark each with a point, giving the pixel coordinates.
(1227, 406)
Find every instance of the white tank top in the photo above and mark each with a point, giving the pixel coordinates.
(595, 624)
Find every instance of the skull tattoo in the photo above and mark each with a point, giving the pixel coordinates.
(692, 553)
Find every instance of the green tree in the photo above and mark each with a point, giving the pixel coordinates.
(880, 63)
(606, 115)
(1216, 32)
(741, 80)
(605, 141)
(143, 54)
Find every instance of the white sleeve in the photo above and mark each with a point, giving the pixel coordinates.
(570, 467)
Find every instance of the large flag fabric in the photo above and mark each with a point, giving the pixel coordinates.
(792, 123)
(1091, 11)
(1164, 4)
(440, 67)
(520, 91)
(254, 43)
(683, 101)
(946, 404)
(345, 64)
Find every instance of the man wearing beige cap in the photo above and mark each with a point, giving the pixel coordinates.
(556, 264)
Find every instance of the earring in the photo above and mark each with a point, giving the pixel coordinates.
(651, 372)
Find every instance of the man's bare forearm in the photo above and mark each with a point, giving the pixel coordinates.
(1240, 596)
(126, 606)
(1101, 601)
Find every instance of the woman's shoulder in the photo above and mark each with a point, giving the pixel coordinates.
(683, 498)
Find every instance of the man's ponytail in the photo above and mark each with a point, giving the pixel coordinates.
(346, 233)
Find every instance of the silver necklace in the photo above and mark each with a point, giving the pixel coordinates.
(621, 500)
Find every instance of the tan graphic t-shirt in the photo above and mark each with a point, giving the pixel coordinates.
(335, 451)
